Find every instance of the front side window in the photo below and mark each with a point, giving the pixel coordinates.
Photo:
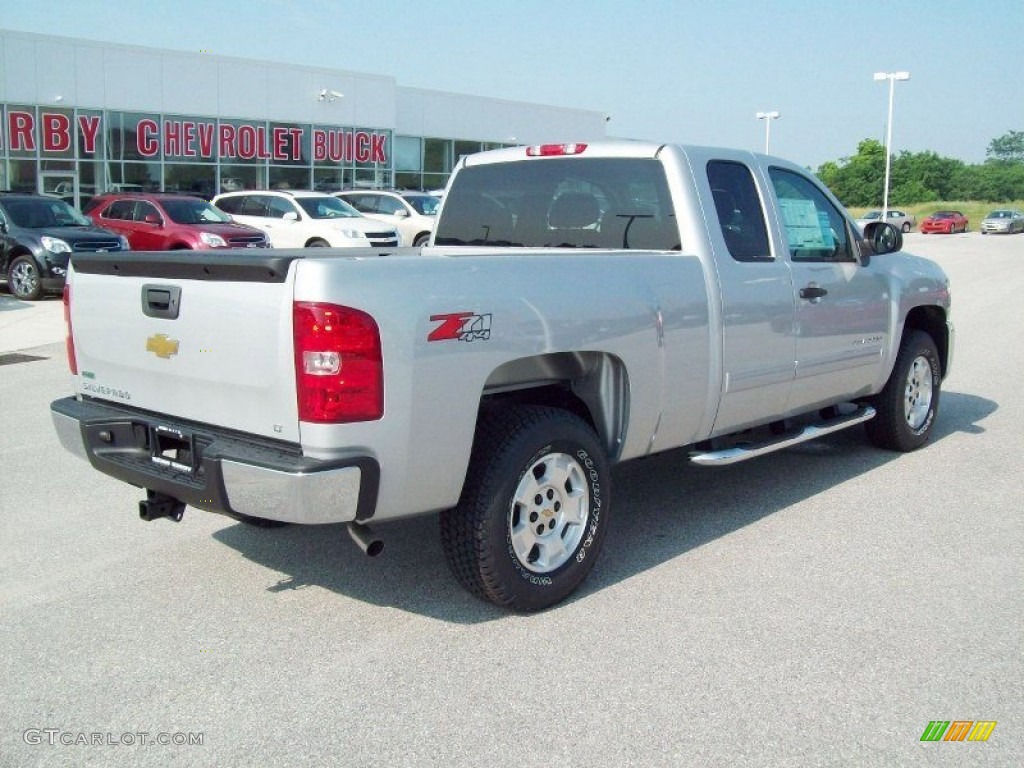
(327, 208)
(278, 207)
(424, 204)
(815, 229)
(739, 211)
(388, 205)
(144, 209)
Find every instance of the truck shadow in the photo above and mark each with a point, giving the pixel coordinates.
(664, 507)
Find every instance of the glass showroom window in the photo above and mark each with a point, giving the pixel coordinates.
(193, 179)
(133, 177)
(332, 179)
(408, 155)
(133, 136)
(463, 148)
(289, 144)
(236, 177)
(20, 133)
(23, 176)
(284, 177)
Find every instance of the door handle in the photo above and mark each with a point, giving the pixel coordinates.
(812, 292)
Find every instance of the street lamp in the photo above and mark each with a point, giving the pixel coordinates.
(892, 77)
(767, 117)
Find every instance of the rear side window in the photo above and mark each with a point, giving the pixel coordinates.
(231, 204)
(739, 211)
(609, 203)
(362, 203)
(815, 229)
(120, 209)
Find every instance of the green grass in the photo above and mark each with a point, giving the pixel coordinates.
(974, 210)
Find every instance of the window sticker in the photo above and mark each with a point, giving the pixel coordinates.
(806, 226)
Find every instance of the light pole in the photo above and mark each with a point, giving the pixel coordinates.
(892, 77)
(767, 117)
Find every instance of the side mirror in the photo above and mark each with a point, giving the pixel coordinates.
(882, 237)
(152, 218)
(291, 216)
(402, 213)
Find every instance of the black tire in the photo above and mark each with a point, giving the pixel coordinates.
(908, 404)
(317, 243)
(421, 240)
(519, 453)
(906, 227)
(23, 278)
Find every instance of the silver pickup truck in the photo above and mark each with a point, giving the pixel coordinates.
(579, 305)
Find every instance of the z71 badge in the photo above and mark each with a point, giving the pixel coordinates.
(462, 326)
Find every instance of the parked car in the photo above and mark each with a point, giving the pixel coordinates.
(1004, 220)
(37, 236)
(900, 219)
(155, 221)
(303, 219)
(411, 213)
(946, 222)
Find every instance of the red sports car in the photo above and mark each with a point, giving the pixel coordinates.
(946, 222)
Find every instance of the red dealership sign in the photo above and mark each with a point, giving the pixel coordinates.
(205, 139)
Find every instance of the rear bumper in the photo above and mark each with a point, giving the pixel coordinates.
(216, 470)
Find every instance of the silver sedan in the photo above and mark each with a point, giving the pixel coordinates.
(1004, 220)
(900, 219)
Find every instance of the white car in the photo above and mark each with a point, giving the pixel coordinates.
(305, 219)
(411, 213)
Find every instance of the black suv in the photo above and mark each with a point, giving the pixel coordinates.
(38, 234)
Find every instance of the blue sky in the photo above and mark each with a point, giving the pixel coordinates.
(677, 70)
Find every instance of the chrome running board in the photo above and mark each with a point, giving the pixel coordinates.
(810, 432)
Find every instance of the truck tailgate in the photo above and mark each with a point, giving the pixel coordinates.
(201, 337)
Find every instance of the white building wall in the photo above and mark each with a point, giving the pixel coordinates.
(37, 69)
(435, 113)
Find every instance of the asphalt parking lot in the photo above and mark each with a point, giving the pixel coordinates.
(816, 607)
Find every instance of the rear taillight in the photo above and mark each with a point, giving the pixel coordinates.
(338, 368)
(555, 150)
(69, 340)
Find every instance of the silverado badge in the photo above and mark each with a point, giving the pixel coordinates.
(161, 346)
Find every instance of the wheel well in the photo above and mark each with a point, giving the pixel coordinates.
(20, 250)
(591, 385)
(316, 240)
(180, 247)
(932, 320)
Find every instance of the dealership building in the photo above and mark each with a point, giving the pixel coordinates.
(80, 117)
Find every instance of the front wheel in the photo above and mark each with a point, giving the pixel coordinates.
(317, 242)
(906, 227)
(421, 240)
(534, 509)
(907, 406)
(23, 279)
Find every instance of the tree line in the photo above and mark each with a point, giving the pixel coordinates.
(923, 177)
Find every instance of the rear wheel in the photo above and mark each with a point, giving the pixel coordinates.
(317, 243)
(534, 509)
(24, 280)
(907, 405)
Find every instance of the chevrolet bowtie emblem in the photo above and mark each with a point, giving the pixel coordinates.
(161, 346)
